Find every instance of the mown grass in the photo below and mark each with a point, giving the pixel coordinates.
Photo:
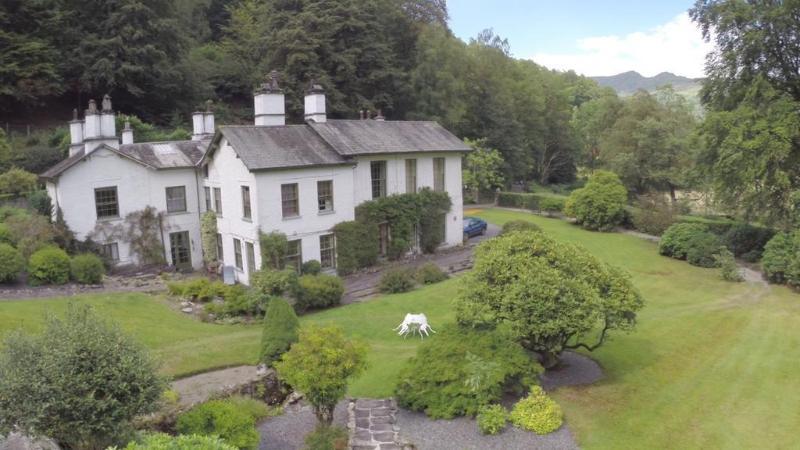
(711, 365)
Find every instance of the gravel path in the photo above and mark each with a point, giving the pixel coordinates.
(288, 431)
(199, 388)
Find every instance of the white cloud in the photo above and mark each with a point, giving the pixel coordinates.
(676, 46)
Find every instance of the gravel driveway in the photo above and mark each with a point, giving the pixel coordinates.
(288, 431)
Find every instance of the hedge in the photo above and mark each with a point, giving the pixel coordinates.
(534, 202)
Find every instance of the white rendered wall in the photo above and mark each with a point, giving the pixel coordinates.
(227, 172)
(137, 188)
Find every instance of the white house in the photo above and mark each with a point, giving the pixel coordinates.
(298, 179)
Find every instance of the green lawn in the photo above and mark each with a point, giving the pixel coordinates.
(711, 365)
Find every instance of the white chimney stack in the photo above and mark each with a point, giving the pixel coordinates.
(75, 133)
(108, 126)
(315, 104)
(203, 123)
(268, 103)
(91, 126)
(127, 134)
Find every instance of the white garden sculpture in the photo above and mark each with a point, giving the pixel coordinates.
(414, 323)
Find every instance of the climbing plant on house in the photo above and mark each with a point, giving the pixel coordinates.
(274, 246)
(208, 232)
(143, 230)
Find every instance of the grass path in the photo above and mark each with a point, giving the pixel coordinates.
(712, 364)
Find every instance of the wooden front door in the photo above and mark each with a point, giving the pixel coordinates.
(179, 249)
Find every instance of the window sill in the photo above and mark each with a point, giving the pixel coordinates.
(297, 217)
(109, 219)
(178, 213)
(246, 219)
(326, 212)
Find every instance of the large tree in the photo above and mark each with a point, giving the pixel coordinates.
(554, 295)
(751, 136)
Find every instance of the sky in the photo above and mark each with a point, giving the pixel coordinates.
(600, 37)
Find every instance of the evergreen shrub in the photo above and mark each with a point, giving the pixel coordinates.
(87, 268)
(49, 265)
(519, 225)
(280, 330)
(356, 246)
(274, 282)
(492, 419)
(311, 267)
(11, 263)
(537, 412)
(600, 205)
(397, 280)
(318, 291)
(675, 240)
(703, 249)
(430, 273)
(162, 441)
(221, 418)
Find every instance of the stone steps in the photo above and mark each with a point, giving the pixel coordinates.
(372, 425)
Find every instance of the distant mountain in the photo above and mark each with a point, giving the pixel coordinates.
(632, 81)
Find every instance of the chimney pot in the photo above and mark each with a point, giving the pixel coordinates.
(268, 102)
(315, 103)
(127, 133)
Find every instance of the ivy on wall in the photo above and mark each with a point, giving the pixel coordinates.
(274, 246)
(357, 242)
(208, 232)
(143, 230)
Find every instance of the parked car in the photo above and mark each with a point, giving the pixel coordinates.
(473, 226)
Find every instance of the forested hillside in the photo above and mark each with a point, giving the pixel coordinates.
(161, 59)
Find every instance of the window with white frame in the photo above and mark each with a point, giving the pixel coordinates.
(176, 199)
(378, 174)
(237, 253)
(325, 195)
(106, 202)
(294, 255)
(250, 253)
(290, 200)
(438, 174)
(327, 251)
(247, 212)
(218, 201)
(411, 176)
(111, 251)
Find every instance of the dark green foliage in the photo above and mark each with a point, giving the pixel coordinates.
(16, 181)
(11, 263)
(30, 232)
(311, 267)
(208, 237)
(356, 246)
(703, 249)
(274, 246)
(600, 205)
(457, 371)
(653, 215)
(402, 212)
(675, 240)
(198, 289)
(430, 273)
(492, 419)
(221, 418)
(327, 438)
(161, 441)
(747, 241)
(394, 281)
(274, 282)
(535, 202)
(5, 235)
(93, 379)
(280, 330)
(519, 225)
(553, 295)
(40, 202)
(49, 265)
(728, 269)
(87, 268)
(780, 260)
(318, 291)
(551, 205)
(239, 301)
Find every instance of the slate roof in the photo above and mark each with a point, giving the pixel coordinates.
(266, 147)
(157, 155)
(365, 137)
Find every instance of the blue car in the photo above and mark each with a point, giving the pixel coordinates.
(473, 227)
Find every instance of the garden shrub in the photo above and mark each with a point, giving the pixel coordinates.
(430, 273)
(30, 232)
(554, 295)
(728, 269)
(208, 237)
(280, 330)
(221, 418)
(40, 202)
(702, 249)
(5, 235)
(319, 365)
(779, 255)
(11, 263)
(93, 379)
(457, 371)
(492, 419)
(198, 289)
(17, 181)
(653, 215)
(551, 205)
(162, 441)
(243, 302)
(49, 265)
(11, 211)
(274, 247)
(537, 412)
(311, 267)
(252, 407)
(356, 246)
(87, 268)
(675, 240)
(274, 282)
(327, 438)
(519, 225)
(394, 281)
(747, 241)
(600, 205)
(318, 291)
